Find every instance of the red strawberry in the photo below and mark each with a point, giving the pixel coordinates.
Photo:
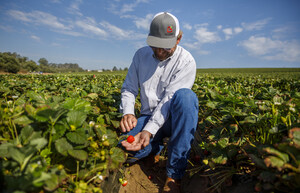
(130, 139)
(197, 158)
(125, 182)
(206, 152)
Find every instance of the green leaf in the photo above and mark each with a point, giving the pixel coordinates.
(100, 119)
(93, 96)
(249, 119)
(212, 104)
(117, 155)
(283, 156)
(78, 154)
(116, 124)
(77, 137)
(27, 134)
(273, 161)
(77, 104)
(36, 97)
(76, 118)
(43, 115)
(112, 137)
(23, 120)
(59, 130)
(45, 152)
(223, 142)
(62, 146)
(4, 150)
(20, 101)
(30, 110)
(16, 154)
(52, 183)
(107, 118)
(42, 178)
(39, 143)
(220, 159)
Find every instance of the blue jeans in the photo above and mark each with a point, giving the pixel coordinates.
(179, 127)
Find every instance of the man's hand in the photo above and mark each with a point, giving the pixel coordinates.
(142, 139)
(128, 122)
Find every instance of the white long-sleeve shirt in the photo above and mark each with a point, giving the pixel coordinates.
(157, 81)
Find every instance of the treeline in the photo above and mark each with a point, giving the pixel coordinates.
(13, 63)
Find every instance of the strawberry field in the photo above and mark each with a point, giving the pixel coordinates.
(59, 133)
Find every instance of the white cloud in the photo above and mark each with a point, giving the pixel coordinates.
(19, 15)
(228, 33)
(35, 38)
(270, 49)
(38, 18)
(258, 25)
(192, 46)
(205, 36)
(125, 8)
(74, 8)
(47, 19)
(237, 30)
(219, 27)
(143, 23)
(89, 25)
(195, 46)
(187, 26)
(119, 33)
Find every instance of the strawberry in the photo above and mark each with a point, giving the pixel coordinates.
(206, 152)
(130, 139)
(125, 182)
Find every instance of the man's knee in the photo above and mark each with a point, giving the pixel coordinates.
(185, 96)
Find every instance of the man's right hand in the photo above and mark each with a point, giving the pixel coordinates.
(128, 122)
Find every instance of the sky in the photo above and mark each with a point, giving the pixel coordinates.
(101, 34)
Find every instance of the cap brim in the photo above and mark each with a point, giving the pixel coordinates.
(161, 42)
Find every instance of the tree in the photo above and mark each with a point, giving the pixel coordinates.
(9, 63)
(115, 68)
(44, 65)
(31, 66)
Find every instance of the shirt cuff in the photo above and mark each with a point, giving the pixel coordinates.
(128, 110)
(151, 128)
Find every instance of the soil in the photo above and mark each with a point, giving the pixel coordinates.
(146, 178)
(140, 182)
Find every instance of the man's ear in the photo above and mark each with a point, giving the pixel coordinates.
(178, 40)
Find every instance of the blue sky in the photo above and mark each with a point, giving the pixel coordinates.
(99, 34)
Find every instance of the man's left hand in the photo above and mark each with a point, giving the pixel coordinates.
(142, 139)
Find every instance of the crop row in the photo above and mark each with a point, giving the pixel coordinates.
(60, 132)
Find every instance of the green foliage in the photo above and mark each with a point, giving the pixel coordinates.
(66, 124)
(69, 132)
(249, 122)
(13, 63)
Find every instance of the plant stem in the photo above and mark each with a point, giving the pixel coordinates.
(77, 173)
(50, 137)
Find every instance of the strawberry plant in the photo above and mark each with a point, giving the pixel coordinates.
(54, 138)
(241, 115)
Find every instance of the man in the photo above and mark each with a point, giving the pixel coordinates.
(163, 73)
